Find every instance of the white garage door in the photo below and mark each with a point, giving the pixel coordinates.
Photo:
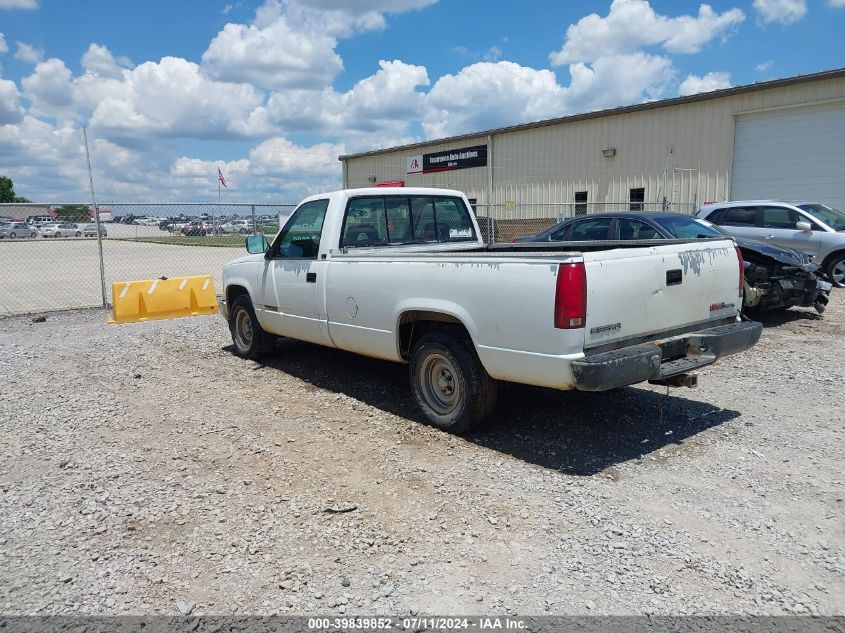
(792, 154)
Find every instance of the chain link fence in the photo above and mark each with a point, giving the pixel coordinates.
(51, 255)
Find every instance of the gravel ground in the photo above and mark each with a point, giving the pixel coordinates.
(145, 469)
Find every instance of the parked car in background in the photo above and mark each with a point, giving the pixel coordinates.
(237, 226)
(194, 228)
(150, 221)
(17, 230)
(61, 229)
(775, 277)
(809, 227)
(90, 230)
(40, 220)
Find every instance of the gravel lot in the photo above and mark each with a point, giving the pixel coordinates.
(146, 469)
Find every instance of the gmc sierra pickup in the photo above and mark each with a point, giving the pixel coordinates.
(402, 274)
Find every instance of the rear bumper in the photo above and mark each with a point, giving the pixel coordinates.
(662, 359)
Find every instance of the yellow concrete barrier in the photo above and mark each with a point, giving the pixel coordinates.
(152, 299)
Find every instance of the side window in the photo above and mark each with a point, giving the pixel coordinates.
(561, 233)
(629, 229)
(738, 216)
(365, 223)
(780, 218)
(422, 212)
(454, 217)
(590, 230)
(440, 220)
(301, 236)
(398, 220)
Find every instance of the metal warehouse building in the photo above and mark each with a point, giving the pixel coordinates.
(782, 139)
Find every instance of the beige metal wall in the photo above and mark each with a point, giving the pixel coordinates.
(681, 152)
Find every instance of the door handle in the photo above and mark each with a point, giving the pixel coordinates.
(311, 278)
(768, 237)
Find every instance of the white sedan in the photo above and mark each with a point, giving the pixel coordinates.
(61, 229)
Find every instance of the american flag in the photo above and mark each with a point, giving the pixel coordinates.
(221, 178)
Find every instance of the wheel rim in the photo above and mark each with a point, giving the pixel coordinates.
(243, 330)
(439, 384)
(837, 271)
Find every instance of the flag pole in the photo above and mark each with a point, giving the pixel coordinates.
(218, 200)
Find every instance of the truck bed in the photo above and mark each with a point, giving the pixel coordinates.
(504, 249)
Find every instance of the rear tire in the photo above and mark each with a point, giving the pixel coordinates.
(836, 270)
(449, 383)
(250, 341)
(13, 235)
(78, 234)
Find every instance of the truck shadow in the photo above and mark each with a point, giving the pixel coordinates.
(574, 432)
(776, 318)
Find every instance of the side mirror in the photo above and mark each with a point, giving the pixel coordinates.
(256, 244)
(804, 226)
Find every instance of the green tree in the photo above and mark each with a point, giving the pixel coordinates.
(7, 189)
(72, 213)
(22, 200)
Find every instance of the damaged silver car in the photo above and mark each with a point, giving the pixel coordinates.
(778, 278)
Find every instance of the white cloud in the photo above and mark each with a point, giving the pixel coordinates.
(382, 103)
(276, 56)
(99, 62)
(764, 66)
(170, 98)
(836, 4)
(461, 103)
(633, 24)
(292, 44)
(3, 46)
(49, 87)
(18, 4)
(782, 11)
(10, 107)
(28, 53)
(694, 84)
(281, 157)
(493, 54)
(173, 98)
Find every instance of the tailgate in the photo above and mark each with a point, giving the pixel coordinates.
(639, 292)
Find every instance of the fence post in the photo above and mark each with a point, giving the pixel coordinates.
(96, 221)
(254, 228)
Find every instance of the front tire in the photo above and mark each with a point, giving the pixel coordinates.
(836, 270)
(449, 383)
(250, 341)
(13, 235)
(78, 234)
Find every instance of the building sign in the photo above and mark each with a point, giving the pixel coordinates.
(447, 161)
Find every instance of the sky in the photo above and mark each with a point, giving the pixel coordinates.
(272, 91)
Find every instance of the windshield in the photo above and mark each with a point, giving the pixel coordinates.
(690, 228)
(830, 216)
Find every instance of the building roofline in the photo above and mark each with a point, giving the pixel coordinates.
(639, 107)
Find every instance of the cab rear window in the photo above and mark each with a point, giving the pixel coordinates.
(395, 220)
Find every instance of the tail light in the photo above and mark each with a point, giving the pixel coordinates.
(741, 271)
(571, 296)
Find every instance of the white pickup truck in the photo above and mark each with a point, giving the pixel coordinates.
(403, 275)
